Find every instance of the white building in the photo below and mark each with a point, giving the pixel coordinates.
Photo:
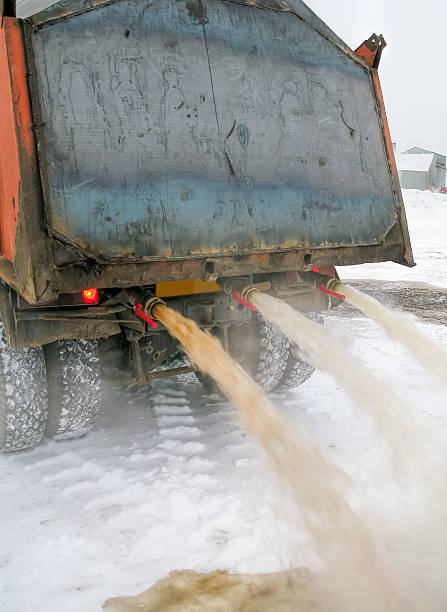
(421, 169)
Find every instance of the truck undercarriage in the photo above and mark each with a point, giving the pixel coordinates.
(184, 152)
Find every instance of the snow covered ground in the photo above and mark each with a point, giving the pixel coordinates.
(427, 221)
(170, 481)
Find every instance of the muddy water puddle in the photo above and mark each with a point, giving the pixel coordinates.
(187, 591)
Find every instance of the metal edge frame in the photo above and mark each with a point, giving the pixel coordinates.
(56, 12)
(371, 52)
(77, 277)
(32, 263)
(407, 255)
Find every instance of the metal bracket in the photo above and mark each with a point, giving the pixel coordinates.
(371, 50)
(140, 313)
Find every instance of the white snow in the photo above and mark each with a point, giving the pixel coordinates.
(427, 222)
(170, 481)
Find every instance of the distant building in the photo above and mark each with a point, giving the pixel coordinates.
(421, 169)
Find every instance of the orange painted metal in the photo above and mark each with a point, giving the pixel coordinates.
(17, 141)
(371, 50)
(368, 55)
(194, 286)
(408, 254)
(385, 127)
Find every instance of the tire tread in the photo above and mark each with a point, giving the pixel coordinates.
(23, 396)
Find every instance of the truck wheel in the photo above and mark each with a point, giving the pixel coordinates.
(114, 358)
(269, 361)
(261, 349)
(23, 396)
(74, 387)
(298, 370)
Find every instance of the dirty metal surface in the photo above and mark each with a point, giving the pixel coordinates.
(190, 128)
(23, 241)
(120, 274)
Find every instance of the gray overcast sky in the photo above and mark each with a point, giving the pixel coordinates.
(412, 69)
(413, 65)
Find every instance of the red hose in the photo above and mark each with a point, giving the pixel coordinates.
(237, 297)
(323, 289)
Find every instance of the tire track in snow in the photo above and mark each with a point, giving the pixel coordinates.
(168, 481)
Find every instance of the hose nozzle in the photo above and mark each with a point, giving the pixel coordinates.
(332, 287)
(248, 290)
(324, 283)
(149, 305)
(144, 303)
(331, 283)
(242, 293)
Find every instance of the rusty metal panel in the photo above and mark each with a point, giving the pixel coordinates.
(205, 128)
(118, 274)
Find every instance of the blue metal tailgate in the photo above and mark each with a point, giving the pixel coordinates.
(179, 128)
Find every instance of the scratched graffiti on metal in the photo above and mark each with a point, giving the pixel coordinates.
(199, 128)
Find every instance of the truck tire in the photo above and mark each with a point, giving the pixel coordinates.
(114, 359)
(297, 369)
(271, 360)
(74, 387)
(261, 349)
(23, 396)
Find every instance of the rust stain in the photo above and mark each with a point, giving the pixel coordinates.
(197, 11)
(259, 258)
(75, 278)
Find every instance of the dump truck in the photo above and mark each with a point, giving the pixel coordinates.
(178, 150)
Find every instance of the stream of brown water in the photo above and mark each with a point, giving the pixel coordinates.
(370, 396)
(355, 572)
(401, 327)
(417, 451)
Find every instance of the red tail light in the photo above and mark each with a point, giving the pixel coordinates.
(90, 296)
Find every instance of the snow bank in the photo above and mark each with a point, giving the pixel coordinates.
(427, 222)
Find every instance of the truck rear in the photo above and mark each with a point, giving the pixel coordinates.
(180, 151)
